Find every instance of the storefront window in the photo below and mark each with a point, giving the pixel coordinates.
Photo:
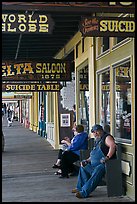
(84, 98)
(104, 107)
(84, 109)
(118, 40)
(123, 101)
(102, 45)
(24, 102)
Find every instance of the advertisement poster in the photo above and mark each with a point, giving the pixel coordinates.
(65, 120)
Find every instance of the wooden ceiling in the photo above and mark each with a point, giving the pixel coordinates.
(36, 46)
(66, 17)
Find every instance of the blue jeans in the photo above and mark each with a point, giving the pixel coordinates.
(89, 177)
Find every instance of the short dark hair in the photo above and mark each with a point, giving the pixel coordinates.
(74, 106)
(79, 128)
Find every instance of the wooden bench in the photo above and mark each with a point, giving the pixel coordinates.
(113, 176)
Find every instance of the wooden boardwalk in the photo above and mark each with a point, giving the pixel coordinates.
(27, 173)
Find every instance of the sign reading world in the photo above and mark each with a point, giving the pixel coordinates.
(27, 23)
(37, 71)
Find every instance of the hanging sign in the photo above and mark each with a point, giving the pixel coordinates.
(26, 23)
(31, 87)
(84, 87)
(109, 7)
(107, 26)
(83, 73)
(37, 71)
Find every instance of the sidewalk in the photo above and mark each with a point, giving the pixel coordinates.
(27, 173)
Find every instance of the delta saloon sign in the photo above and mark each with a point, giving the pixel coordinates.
(27, 23)
(55, 70)
(107, 26)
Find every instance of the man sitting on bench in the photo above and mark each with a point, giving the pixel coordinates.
(93, 169)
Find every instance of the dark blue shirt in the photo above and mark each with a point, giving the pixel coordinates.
(80, 141)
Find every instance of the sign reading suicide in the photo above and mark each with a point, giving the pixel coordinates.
(107, 26)
(27, 23)
(37, 71)
(32, 87)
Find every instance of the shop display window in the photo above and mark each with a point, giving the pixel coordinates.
(123, 101)
(104, 102)
(84, 98)
(102, 45)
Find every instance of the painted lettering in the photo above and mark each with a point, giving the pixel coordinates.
(51, 68)
(28, 68)
(12, 18)
(11, 29)
(21, 18)
(9, 72)
(4, 70)
(36, 71)
(117, 26)
(8, 88)
(43, 28)
(22, 27)
(17, 67)
(3, 27)
(32, 20)
(4, 17)
(32, 28)
(43, 19)
(30, 87)
(122, 3)
(26, 23)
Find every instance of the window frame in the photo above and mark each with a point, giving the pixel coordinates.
(114, 66)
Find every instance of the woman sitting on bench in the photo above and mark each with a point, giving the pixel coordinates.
(72, 153)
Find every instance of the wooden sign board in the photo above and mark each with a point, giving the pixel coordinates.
(107, 26)
(31, 87)
(109, 7)
(37, 71)
(26, 23)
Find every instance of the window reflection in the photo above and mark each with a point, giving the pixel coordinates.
(84, 98)
(102, 45)
(118, 40)
(105, 100)
(123, 101)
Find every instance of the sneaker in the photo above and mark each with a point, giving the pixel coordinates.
(78, 195)
(57, 173)
(55, 166)
(75, 190)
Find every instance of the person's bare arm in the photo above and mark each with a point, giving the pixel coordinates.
(112, 146)
(65, 142)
